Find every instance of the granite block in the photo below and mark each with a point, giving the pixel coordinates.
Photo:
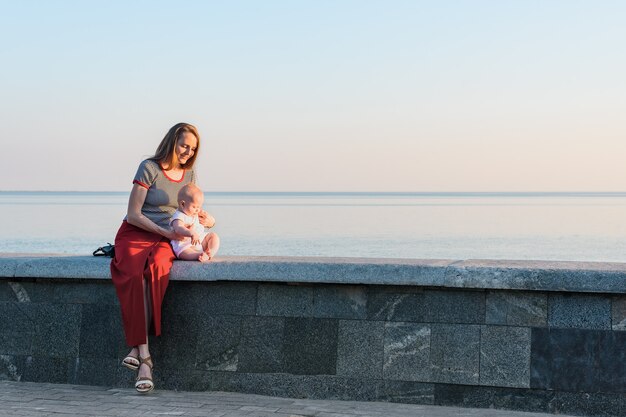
(407, 392)
(407, 352)
(82, 292)
(48, 369)
(592, 277)
(517, 309)
(360, 349)
(261, 346)
(618, 313)
(103, 372)
(273, 384)
(455, 306)
(576, 360)
(57, 329)
(235, 298)
(101, 331)
(426, 306)
(310, 346)
(590, 404)
(12, 367)
(6, 291)
(176, 348)
(455, 353)
(210, 298)
(16, 343)
(75, 267)
(25, 291)
(537, 401)
(196, 380)
(335, 388)
(340, 301)
(9, 264)
(170, 379)
(425, 272)
(579, 311)
(297, 386)
(17, 318)
(403, 304)
(541, 359)
(505, 356)
(218, 343)
(285, 300)
(180, 298)
(588, 277)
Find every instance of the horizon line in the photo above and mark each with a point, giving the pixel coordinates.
(407, 193)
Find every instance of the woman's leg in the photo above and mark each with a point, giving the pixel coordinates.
(132, 252)
(144, 351)
(156, 278)
(158, 274)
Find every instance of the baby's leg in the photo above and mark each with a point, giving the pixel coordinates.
(211, 244)
(191, 254)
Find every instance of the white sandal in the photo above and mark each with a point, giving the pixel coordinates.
(145, 380)
(131, 362)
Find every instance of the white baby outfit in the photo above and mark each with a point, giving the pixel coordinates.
(181, 245)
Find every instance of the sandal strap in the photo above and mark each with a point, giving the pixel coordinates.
(147, 360)
(140, 380)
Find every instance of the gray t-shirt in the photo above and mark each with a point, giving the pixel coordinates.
(162, 198)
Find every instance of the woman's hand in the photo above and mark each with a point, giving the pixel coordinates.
(206, 219)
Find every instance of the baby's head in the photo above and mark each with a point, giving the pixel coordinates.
(190, 199)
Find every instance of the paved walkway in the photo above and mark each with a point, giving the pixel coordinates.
(38, 399)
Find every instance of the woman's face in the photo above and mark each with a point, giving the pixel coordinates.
(185, 147)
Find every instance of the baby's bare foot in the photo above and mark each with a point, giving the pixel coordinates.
(204, 257)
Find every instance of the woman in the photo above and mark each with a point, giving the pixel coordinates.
(143, 255)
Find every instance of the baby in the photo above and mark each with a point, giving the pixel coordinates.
(198, 244)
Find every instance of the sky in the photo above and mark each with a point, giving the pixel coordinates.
(341, 95)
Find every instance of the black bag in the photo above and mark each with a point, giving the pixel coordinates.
(108, 250)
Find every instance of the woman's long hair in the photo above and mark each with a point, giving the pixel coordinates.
(165, 155)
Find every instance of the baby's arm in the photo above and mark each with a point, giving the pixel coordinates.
(179, 227)
(206, 219)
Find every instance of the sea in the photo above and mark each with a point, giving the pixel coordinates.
(516, 226)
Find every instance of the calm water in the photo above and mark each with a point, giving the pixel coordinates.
(553, 226)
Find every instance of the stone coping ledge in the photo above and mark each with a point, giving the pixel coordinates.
(589, 277)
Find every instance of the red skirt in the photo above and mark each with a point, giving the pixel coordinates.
(140, 255)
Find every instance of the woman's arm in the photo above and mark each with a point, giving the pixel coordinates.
(135, 217)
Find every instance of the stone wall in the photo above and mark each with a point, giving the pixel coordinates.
(538, 336)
